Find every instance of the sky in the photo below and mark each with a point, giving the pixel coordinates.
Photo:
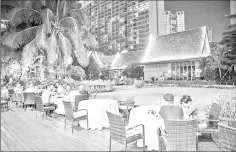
(203, 13)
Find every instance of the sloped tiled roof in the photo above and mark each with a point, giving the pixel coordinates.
(123, 59)
(178, 46)
(107, 59)
(96, 58)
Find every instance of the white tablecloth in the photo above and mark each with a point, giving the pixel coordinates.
(151, 124)
(97, 116)
(60, 106)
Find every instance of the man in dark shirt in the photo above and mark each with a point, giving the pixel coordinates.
(170, 111)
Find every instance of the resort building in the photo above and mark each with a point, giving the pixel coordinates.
(122, 60)
(174, 22)
(125, 25)
(176, 56)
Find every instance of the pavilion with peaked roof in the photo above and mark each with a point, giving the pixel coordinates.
(122, 60)
(176, 56)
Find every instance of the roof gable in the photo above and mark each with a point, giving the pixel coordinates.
(95, 56)
(123, 59)
(182, 45)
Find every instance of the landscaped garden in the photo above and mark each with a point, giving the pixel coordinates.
(47, 70)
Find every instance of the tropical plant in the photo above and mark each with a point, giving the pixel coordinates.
(56, 30)
(133, 71)
(229, 41)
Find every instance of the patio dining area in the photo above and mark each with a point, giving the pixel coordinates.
(21, 131)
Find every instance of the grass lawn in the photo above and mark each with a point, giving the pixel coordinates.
(153, 95)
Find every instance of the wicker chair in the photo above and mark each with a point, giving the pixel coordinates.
(79, 98)
(17, 97)
(28, 99)
(11, 92)
(213, 119)
(125, 107)
(181, 135)
(40, 107)
(69, 115)
(227, 135)
(4, 105)
(118, 131)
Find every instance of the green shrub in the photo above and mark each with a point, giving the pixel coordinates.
(133, 71)
(138, 83)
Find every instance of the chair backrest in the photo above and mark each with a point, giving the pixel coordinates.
(214, 113)
(39, 103)
(117, 128)
(79, 98)
(11, 91)
(28, 97)
(228, 137)
(181, 135)
(68, 110)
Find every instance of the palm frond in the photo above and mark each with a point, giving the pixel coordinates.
(80, 16)
(230, 16)
(35, 5)
(52, 48)
(30, 52)
(24, 15)
(77, 47)
(72, 24)
(65, 48)
(47, 16)
(89, 39)
(17, 39)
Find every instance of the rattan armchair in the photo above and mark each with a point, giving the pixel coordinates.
(118, 131)
(212, 121)
(79, 98)
(181, 135)
(69, 115)
(227, 136)
(11, 92)
(28, 99)
(40, 107)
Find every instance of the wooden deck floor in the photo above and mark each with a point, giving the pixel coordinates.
(21, 131)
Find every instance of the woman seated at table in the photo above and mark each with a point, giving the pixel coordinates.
(31, 88)
(60, 89)
(193, 110)
(46, 95)
(169, 110)
(71, 96)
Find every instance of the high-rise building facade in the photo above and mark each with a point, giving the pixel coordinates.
(209, 33)
(174, 22)
(121, 25)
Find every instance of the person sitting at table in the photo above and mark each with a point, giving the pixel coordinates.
(18, 88)
(192, 110)
(31, 88)
(60, 89)
(5, 93)
(46, 95)
(169, 110)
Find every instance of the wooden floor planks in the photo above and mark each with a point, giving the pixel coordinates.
(21, 131)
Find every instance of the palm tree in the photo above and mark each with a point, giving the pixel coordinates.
(214, 61)
(60, 32)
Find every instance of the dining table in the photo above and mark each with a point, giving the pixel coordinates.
(97, 116)
(58, 100)
(146, 115)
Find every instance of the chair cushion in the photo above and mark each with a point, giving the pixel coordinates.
(3, 101)
(49, 108)
(80, 113)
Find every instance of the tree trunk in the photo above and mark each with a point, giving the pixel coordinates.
(220, 72)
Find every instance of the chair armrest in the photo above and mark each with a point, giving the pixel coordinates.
(208, 120)
(82, 110)
(130, 128)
